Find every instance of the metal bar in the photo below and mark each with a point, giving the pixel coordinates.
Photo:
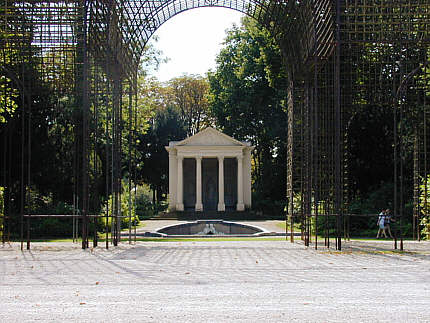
(395, 153)
(9, 184)
(401, 151)
(130, 118)
(76, 216)
(23, 190)
(416, 184)
(135, 154)
(3, 196)
(96, 199)
(316, 153)
(107, 173)
(85, 113)
(120, 127)
(113, 168)
(338, 130)
(290, 154)
(28, 168)
(425, 164)
(74, 220)
(115, 157)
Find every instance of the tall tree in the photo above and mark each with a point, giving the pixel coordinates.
(248, 101)
(164, 127)
(188, 94)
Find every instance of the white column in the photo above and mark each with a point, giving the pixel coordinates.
(173, 166)
(180, 187)
(221, 204)
(240, 205)
(199, 205)
(247, 177)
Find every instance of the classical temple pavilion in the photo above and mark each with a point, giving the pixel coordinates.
(209, 171)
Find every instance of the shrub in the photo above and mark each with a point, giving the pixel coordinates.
(425, 208)
(144, 207)
(268, 207)
(125, 209)
(52, 227)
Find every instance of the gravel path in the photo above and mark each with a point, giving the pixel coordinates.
(208, 281)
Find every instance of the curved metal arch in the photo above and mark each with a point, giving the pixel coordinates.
(156, 16)
(285, 19)
(119, 31)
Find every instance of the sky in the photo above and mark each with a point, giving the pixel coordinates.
(192, 39)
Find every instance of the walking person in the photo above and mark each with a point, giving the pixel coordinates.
(388, 220)
(381, 225)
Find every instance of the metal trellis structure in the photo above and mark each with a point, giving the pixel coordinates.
(339, 54)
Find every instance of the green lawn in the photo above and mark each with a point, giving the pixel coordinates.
(283, 225)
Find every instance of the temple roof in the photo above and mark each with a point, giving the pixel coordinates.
(209, 137)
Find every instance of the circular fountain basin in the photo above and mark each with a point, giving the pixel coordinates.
(211, 228)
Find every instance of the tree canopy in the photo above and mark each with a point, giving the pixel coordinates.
(248, 101)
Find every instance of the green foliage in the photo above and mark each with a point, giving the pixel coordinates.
(178, 108)
(248, 101)
(425, 208)
(269, 207)
(369, 109)
(38, 203)
(166, 126)
(127, 210)
(9, 58)
(48, 81)
(49, 227)
(379, 198)
(145, 208)
(189, 96)
(8, 97)
(425, 224)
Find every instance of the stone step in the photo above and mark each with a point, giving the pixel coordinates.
(227, 215)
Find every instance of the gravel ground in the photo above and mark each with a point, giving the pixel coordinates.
(208, 281)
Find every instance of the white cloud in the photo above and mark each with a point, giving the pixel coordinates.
(192, 39)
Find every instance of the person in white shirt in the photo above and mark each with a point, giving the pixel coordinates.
(381, 224)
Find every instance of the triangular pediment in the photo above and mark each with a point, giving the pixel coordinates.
(210, 137)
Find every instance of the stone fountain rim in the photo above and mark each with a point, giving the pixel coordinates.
(263, 232)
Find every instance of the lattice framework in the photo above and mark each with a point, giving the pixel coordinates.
(90, 50)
